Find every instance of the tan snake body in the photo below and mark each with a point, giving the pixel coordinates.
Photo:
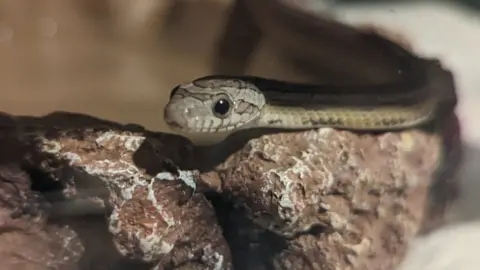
(230, 103)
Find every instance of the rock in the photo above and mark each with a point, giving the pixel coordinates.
(339, 200)
(318, 199)
(27, 241)
(155, 216)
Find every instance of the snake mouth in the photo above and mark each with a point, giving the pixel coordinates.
(175, 126)
(181, 129)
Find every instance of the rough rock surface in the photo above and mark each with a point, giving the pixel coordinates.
(155, 216)
(27, 240)
(339, 200)
(319, 199)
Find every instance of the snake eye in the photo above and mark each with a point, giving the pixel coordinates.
(222, 107)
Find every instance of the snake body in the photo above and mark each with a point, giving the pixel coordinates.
(230, 103)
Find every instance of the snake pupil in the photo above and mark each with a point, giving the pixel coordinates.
(222, 106)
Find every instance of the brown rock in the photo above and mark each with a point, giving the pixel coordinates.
(132, 175)
(319, 199)
(339, 200)
(27, 241)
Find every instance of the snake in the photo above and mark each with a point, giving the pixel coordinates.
(229, 103)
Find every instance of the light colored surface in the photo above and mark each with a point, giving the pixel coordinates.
(453, 247)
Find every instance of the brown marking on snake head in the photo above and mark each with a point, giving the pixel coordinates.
(202, 97)
(215, 83)
(203, 83)
(178, 91)
(243, 107)
(182, 93)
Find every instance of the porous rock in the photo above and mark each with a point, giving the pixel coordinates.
(331, 173)
(318, 199)
(154, 213)
(341, 200)
(27, 241)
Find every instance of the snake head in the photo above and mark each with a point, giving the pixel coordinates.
(212, 104)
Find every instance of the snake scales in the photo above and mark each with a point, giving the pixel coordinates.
(230, 103)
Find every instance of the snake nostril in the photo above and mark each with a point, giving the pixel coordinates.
(189, 112)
